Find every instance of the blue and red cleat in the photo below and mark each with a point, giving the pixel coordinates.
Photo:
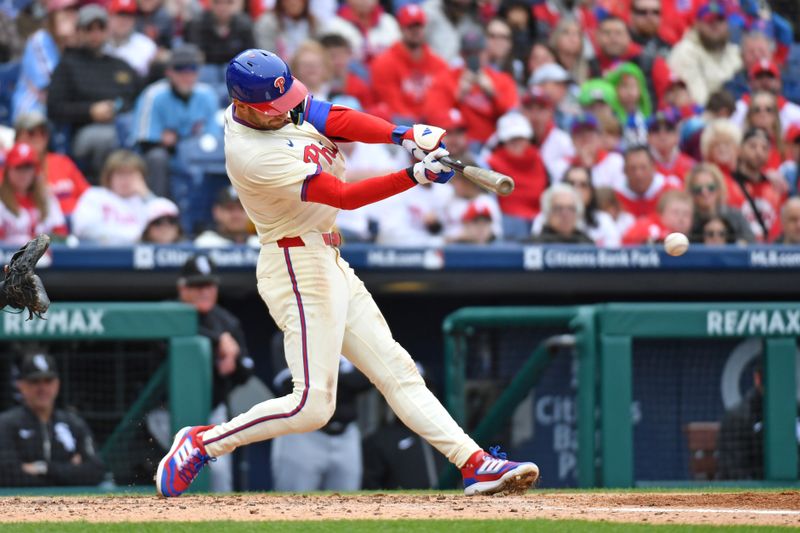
(490, 473)
(183, 463)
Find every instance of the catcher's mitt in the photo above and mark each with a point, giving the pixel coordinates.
(23, 289)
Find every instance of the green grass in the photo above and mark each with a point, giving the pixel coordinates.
(390, 526)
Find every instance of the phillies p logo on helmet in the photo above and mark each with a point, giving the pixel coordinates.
(279, 83)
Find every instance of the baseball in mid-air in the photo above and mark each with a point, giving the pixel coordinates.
(676, 244)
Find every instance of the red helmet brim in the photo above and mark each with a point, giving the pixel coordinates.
(285, 102)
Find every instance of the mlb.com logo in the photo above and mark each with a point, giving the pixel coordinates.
(533, 258)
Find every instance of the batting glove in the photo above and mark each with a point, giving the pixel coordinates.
(421, 139)
(430, 169)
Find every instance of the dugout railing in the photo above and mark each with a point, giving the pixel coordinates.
(605, 337)
(182, 377)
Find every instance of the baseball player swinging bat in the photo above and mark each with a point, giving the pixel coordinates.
(482, 177)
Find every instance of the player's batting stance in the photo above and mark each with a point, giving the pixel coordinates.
(281, 155)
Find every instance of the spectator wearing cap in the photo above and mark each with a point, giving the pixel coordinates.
(198, 286)
(27, 207)
(231, 224)
(562, 211)
(790, 222)
(162, 225)
(136, 49)
(517, 156)
(607, 167)
(115, 213)
(40, 444)
(457, 141)
(635, 105)
(555, 82)
(765, 77)
(598, 98)
(63, 177)
(554, 144)
(755, 46)
(403, 74)
(481, 93)
(467, 195)
(673, 214)
(367, 26)
(614, 46)
(285, 28)
(791, 157)
(172, 110)
(89, 89)
(643, 186)
(676, 94)
(448, 22)
(476, 226)
(705, 58)
(662, 137)
(348, 75)
(759, 199)
(42, 53)
(221, 31)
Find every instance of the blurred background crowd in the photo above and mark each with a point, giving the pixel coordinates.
(621, 121)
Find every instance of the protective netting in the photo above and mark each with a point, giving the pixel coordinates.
(112, 386)
(543, 427)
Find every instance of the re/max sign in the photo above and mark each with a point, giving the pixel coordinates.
(753, 322)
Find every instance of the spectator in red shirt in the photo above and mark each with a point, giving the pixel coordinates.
(517, 156)
(481, 93)
(674, 214)
(343, 79)
(63, 177)
(763, 113)
(761, 201)
(403, 74)
(607, 167)
(457, 143)
(643, 185)
(766, 77)
(27, 207)
(663, 138)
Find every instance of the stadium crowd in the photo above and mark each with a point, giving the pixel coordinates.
(621, 121)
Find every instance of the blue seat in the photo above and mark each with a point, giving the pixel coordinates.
(198, 173)
(9, 74)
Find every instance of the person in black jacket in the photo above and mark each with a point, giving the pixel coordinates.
(562, 210)
(89, 89)
(198, 286)
(221, 32)
(39, 444)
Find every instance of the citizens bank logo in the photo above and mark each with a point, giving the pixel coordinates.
(533, 258)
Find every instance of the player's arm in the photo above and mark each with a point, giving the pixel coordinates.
(341, 123)
(324, 188)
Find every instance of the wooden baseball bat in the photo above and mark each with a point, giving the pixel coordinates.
(482, 177)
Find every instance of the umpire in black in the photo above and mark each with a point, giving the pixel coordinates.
(41, 445)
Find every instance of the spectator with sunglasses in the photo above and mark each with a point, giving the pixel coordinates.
(63, 177)
(709, 193)
(765, 77)
(562, 211)
(162, 224)
(716, 232)
(647, 29)
(663, 139)
(171, 110)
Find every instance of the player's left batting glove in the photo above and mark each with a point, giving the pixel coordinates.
(419, 140)
(430, 169)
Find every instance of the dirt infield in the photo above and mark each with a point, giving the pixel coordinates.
(742, 508)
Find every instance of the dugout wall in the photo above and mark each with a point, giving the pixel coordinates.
(118, 361)
(639, 373)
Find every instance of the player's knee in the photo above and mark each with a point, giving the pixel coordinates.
(317, 411)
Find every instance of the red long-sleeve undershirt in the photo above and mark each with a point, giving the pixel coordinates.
(345, 124)
(324, 188)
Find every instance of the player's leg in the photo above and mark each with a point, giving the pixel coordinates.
(307, 295)
(369, 344)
